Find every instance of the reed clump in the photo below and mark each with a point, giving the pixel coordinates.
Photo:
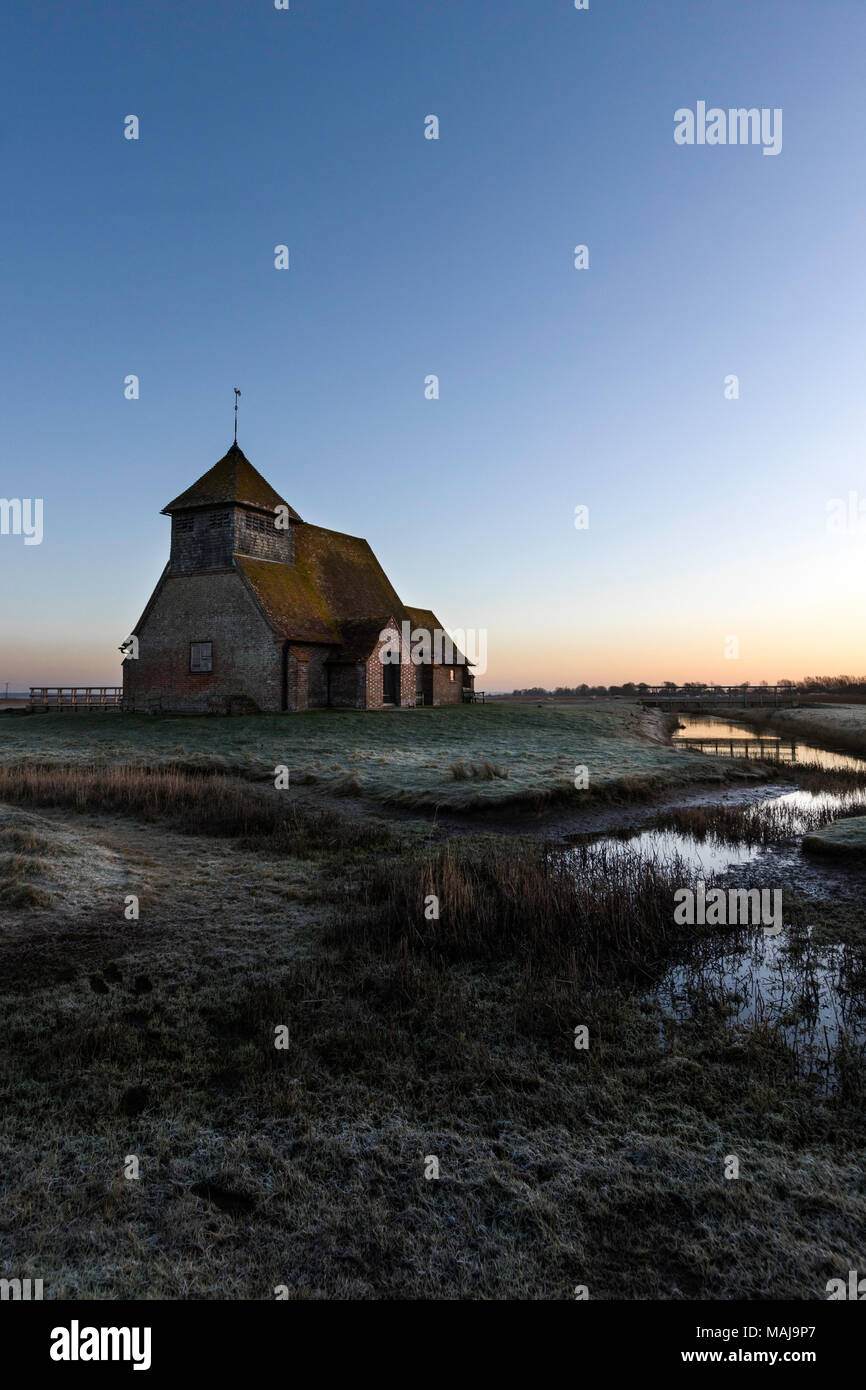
(483, 771)
(587, 916)
(767, 822)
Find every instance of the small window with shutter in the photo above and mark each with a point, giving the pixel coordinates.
(201, 656)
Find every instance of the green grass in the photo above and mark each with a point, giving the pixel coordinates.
(470, 757)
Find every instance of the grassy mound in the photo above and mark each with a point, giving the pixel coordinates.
(844, 837)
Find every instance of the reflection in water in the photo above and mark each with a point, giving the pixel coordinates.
(700, 857)
(713, 730)
(811, 997)
(805, 804)
(802, 992)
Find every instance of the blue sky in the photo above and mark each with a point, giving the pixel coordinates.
(558, 387)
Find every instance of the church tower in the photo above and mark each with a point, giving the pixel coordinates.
(231, 510)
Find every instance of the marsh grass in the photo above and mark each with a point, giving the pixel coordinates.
(408, 1037)
(206, 801)
(202, 802)
(483, 771)
(815, 778)
(25, 863)
(305, 1166)
(401, 759)
(15, 864)
(26, 839)
(582, 919)
(17, 895)
(767, 822)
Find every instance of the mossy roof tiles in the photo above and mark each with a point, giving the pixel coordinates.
(232, 479)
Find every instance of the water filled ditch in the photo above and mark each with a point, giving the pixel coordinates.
(717, 735)
(774, 822)
(806, 988)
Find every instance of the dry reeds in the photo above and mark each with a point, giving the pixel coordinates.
(766, 822)
(588, 914)
(201, 802)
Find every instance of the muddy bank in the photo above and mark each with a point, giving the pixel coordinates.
(613, 817)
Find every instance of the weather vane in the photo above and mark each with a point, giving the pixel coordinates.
(237, 398)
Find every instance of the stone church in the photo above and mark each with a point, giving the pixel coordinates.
(258, 611)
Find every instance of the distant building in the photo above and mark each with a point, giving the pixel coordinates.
(258, 610)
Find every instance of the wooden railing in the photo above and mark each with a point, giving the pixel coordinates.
(717, 695)
(75, 697)
(768, 748)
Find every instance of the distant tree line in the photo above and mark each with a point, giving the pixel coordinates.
(630, 688)
(831, 685)
(809, 685)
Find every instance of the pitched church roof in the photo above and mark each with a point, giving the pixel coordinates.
(289, 601)
(426, 619)
(336, 591)
(347, 574)
(232, 480)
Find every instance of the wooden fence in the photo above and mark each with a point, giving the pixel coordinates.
(766, 748)
(75, 697)
(692, 697)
